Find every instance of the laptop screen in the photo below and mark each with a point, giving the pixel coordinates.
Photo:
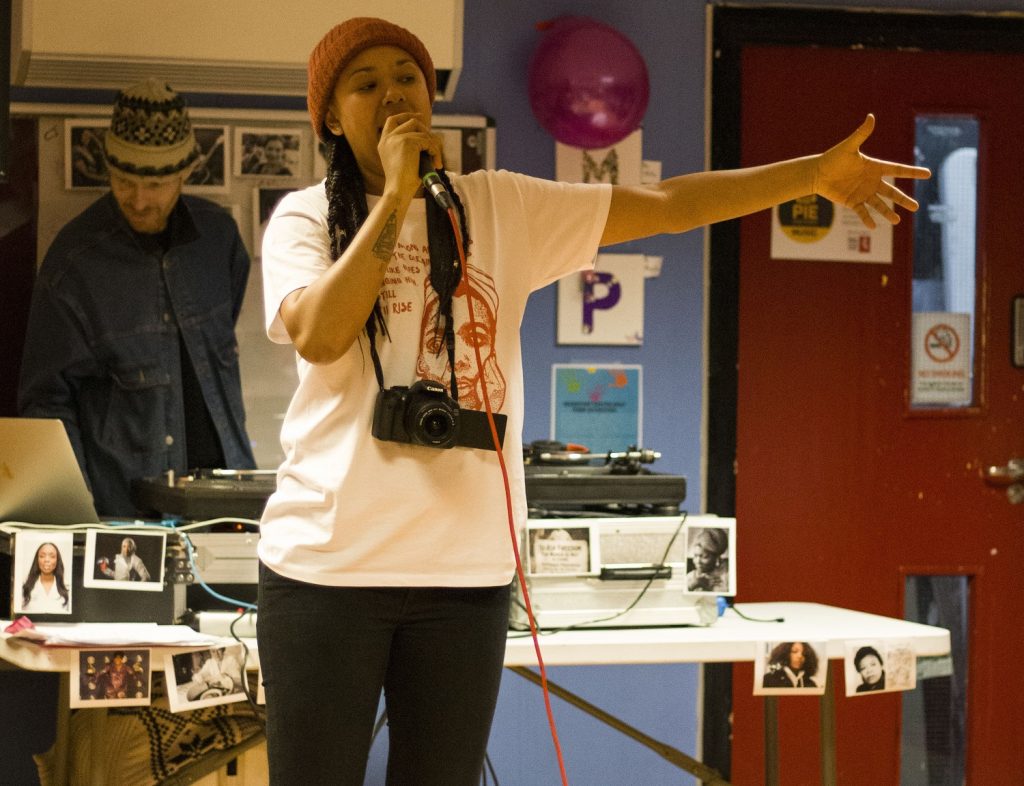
(40, 480)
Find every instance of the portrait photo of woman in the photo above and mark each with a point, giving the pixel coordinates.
(879, 666)
(709, 560)
(43, 559)
(792, 665)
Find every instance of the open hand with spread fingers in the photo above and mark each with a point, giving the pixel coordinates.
(848, 177)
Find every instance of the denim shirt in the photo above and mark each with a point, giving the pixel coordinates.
(102, 349)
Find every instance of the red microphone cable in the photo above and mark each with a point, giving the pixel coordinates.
(508, 500)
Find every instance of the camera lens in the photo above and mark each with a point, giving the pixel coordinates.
(435, 425)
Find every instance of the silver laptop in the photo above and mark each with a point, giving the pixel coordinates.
(40, 480)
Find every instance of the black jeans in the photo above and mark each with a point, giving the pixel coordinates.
(326, 653)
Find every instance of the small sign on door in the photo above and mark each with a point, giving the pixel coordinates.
(941, 359)
(814, 228)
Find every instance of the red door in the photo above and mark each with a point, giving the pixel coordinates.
(843, 489)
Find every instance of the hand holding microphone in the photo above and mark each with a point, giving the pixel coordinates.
(432, 182)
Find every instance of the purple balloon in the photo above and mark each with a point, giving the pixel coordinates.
(587, 83)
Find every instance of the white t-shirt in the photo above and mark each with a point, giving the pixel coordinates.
(352, 510)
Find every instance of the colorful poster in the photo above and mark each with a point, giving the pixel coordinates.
(598, 406)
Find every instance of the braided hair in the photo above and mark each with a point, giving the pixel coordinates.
(347, 210)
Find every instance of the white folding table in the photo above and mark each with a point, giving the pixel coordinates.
(730, 639)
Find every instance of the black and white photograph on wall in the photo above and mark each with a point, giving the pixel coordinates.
(791, 667)
(879, 666)
(270, 152)
(210, 173)
(711, 559)
(111, 678)
(204, 678)
(85, 163)
(42, 572)
(264, 200)
(124, 560)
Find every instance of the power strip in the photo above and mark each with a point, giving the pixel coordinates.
(218, 623)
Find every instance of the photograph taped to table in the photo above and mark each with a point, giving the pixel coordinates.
(111, 678)
(205, 678)
(787, 668)
(879, 666)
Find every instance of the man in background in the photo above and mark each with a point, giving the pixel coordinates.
(131, 335)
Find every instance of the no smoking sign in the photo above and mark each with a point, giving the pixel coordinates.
(942, 343)
(941, 358)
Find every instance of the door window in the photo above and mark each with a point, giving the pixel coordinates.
(945, 268)
(934, 729)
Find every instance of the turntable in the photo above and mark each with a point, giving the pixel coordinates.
(564, 481)
(206, 494)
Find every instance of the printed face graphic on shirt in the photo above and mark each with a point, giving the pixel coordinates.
(470, 337)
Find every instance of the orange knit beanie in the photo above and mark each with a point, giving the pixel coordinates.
(344, 42)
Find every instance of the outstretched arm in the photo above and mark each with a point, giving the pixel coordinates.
(842, 174)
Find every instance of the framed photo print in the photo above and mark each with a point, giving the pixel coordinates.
(111, 678)
(879, 666)
(711, 558)
(559, 550)
(127, 560)
(211, 173)
(787, 668)
(204, 678)
(271, 152)
(42, 572)
(85, 163)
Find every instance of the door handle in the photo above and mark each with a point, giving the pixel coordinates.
(1013, 472)
(1011, 476)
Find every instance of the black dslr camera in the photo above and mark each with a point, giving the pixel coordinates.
(424, 414)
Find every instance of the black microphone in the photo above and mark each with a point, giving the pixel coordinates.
(432, 182)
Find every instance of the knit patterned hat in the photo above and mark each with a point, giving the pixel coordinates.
(344, 42)
(150, 132)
